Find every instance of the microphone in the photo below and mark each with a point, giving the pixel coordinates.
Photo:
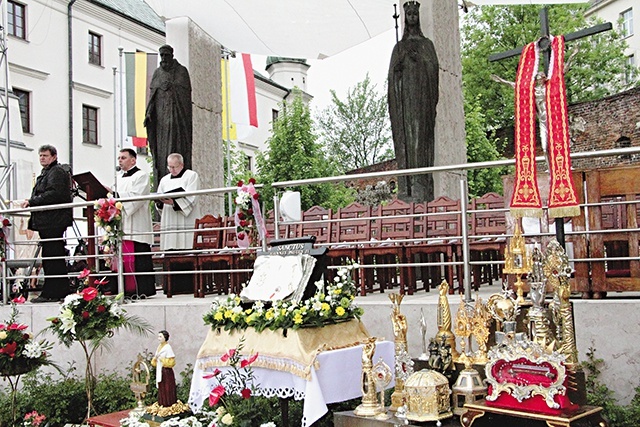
(118, 168)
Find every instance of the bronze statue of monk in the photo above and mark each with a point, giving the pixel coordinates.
(413, 97)
(168, 117)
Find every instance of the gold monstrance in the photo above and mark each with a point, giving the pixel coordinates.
(517, 260)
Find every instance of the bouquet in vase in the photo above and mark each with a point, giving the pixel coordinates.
(108, 215)
(19, 351)
(248, 217)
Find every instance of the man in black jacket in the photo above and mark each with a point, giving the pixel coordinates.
(52, 187)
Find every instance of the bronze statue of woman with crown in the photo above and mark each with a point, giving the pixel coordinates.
(413, 83)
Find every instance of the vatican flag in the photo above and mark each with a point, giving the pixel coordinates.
(239, 110)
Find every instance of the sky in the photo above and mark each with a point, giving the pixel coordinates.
(344, 70)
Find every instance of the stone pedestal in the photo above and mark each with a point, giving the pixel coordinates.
(439, 20)
(200, 53)
(348, 419)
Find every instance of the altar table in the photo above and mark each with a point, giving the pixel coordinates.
(335, 377)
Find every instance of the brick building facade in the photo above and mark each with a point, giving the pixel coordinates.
(604, 124)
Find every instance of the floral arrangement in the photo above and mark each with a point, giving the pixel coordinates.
(88, 317)
(331, 304)
(19, 351)
(108, 215)
(33, 419)
(5, 223)
(248, 217)
(232, 398)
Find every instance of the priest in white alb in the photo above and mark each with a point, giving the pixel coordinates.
(178, 213)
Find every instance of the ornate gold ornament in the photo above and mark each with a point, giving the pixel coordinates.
(399, 321)
(428, 397)
(473, 321)
(370, 405)
(517, 260)
(139, 384)
(524, 369)
(444, 319)
(540, 331)
(557, 271)
(469, 387)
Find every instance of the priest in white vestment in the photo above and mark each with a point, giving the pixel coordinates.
(136, 218)
(178, 213)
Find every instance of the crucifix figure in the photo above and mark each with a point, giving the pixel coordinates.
(544, 45)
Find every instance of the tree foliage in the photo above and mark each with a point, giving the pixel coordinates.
(596, 70)
(293, 153)
(356, 131)
(482, 147)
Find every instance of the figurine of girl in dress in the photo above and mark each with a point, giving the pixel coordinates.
(164, 361)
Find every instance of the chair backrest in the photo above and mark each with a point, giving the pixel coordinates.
(208, 234)
(488, 221)
(321, 230)
(229, 239)
(446, 221)
(394, 228)
(349, 228)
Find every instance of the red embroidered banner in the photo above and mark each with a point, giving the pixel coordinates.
(526, 199)
(563, 200)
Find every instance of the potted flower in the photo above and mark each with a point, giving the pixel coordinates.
(249, 223)
(232, 397)
(108, 215)
(89, 318)
(20, 352)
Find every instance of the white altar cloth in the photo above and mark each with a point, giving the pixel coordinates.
(337, 378)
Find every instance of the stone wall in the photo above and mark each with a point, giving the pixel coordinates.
(611, 122)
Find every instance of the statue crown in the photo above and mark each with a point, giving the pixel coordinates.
(411, 5)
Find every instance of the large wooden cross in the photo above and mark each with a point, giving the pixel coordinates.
(544, 44)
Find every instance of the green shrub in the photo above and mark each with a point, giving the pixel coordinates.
(598, 394)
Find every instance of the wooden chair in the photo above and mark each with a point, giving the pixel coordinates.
(240, 259)
(623, 185)
(441, 220)
(347, 232)
(393, 223)
(316, 222)
(490, 220)
(207, 241)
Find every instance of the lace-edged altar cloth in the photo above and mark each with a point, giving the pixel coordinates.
(334, 375)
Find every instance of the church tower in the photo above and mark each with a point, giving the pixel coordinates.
(288, 72)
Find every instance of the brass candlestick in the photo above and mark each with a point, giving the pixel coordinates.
(399, 321)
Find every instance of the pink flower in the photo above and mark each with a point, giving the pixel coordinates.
(89, 293)
(9, 349)
(215, 395)
(246, 393)
(246, 362)
(19, 300)
(211, 375)
(228, 355)
(17, 327)
(84, 273)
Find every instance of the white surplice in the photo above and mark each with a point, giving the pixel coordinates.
(183, 218)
